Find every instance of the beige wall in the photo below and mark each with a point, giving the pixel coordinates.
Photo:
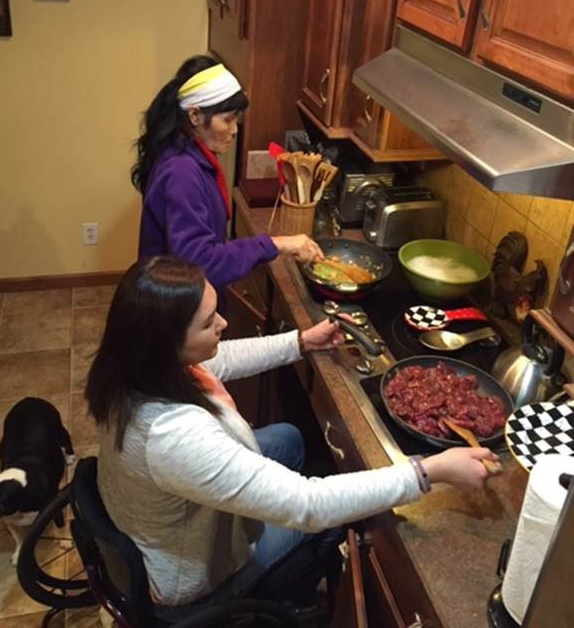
(479, 218)
(74, 78)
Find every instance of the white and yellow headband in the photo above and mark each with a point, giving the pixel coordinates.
(208, 87)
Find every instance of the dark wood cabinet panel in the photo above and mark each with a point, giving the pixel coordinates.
(452, 21)
(245, 321)
(350, 610)
(532, 39)
(263, 43)
(321, 57)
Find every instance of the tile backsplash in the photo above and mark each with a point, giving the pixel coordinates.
(479, 218)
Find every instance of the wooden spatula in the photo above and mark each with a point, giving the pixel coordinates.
(494, 468)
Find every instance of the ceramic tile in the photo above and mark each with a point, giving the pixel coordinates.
(36, 373)
(33, 332)
(540, 246)
(93, 296)
(83, 617)
(551, 215)
(458, 192)
(454, 226)
(37, 303)
(568, 228)
(474, 240)
(520, 202)
(82, 426)
(88, 325)
(13, 600)
(507, 218)
(482, 210)
(87, 328)
(32, 621)
(62, 403)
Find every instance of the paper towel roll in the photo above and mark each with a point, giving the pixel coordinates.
(543, 500)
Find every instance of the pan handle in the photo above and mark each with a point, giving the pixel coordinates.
(359, 335)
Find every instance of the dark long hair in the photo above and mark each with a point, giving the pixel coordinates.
(165, 124)
(138, 357)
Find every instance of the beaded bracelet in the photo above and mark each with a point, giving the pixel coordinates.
(424, 482)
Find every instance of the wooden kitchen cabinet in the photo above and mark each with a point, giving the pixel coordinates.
(341, 36)
(531, 39)
(451, 21)
(263, 43)
(350, 610)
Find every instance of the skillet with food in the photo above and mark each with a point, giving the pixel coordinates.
(421, 390)
(350, 267)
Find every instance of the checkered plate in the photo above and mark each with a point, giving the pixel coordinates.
(538, 429)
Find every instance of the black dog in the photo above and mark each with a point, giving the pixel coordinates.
(32, 463)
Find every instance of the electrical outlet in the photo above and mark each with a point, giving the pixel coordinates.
(90, 231)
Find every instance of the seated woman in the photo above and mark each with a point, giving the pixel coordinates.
(191, 120)
(181, 472)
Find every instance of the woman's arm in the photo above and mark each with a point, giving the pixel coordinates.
(189, 216)
(190, 454)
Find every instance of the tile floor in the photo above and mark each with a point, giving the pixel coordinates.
(47, 340)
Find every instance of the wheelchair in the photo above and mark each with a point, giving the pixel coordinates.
(110, 569)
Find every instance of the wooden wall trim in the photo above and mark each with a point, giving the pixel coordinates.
(52, 282)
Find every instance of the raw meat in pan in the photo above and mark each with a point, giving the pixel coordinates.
(423, 396)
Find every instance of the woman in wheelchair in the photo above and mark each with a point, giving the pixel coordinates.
(217, 513)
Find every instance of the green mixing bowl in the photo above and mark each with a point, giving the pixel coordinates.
(441, 289)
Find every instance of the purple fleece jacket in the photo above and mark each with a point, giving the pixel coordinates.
(184, 215)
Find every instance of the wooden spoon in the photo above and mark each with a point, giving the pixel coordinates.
(493, 468)
(290, 176)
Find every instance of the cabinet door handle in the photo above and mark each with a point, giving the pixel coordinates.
(324, 79)
(418, 623)
(461, 10)
(368, 114)
(336, 450)
(484, 17)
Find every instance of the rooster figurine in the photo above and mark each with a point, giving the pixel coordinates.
(514, 291)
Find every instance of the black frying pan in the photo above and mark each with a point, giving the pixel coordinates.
(367, 256)
(487, 386)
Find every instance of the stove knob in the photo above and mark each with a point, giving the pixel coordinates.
(365, 366)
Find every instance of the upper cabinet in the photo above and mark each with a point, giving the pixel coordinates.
(530, 38)
(322, 46)
(451, 21)
(341, 36)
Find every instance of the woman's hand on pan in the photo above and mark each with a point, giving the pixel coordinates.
(300, 246)
(459, 466)
(324, 335)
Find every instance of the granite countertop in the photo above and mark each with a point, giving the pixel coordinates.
(452, 537)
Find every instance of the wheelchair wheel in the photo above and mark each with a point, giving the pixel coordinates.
(48, 555)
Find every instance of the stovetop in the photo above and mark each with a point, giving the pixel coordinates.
(385, 307)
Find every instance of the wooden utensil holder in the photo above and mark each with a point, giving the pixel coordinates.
(295, 218)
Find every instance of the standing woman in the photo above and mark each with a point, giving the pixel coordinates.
(186, 207)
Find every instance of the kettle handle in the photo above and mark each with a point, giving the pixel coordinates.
(557, 357)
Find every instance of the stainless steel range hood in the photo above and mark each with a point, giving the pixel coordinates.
(510, 138)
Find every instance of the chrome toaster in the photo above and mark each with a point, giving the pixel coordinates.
(396, 215)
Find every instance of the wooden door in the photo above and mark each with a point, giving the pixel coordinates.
(451, 21)
(350, 610)
(531, 38)
(321, 53)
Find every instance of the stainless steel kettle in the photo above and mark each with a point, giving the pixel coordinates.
(530, 372)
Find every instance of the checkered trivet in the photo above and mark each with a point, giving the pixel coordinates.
(538, 429)
(425, 317)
